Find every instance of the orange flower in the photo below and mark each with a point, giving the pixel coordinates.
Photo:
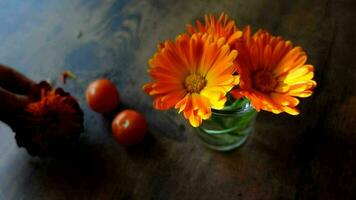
(192, 74)
(223, 27)
(50, 124)
(272, 72)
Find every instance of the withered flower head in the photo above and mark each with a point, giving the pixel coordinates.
(50, 124)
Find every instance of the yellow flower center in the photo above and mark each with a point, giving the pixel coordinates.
(194, 83)
(264, 81)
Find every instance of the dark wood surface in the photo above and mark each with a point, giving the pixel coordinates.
(311, 156)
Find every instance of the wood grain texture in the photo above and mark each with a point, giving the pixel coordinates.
(311, 156)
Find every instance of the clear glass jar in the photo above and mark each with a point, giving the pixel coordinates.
(229, 128)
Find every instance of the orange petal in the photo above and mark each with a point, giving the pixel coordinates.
(168, 101)
(147, 87)
(160, 88)
(202, 105)
(292, 111)
(195, 120)
(234, 37)
(284, 100)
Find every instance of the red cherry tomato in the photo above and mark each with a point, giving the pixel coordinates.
(129, 127)
(102, 96)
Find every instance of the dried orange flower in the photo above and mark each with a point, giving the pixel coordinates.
(272, 72)
(222, 27)
(50, 124)
(192, 74)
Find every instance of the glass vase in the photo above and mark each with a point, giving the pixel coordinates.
(229, 128)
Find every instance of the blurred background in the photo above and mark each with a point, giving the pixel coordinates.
(311, 156)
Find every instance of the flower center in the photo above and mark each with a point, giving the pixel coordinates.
(264, 81)
(194, 83)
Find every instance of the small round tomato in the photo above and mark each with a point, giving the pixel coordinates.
(129, 127)
(102, 96)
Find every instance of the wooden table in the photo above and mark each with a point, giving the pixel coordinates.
(311, 156)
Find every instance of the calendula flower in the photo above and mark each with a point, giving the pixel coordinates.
(49, 124)
(192, 74)
(272, 72)
(222, 27)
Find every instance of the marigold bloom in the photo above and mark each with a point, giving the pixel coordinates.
(222, 27)
(50, 124)
(192, 74)
(272, 72)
